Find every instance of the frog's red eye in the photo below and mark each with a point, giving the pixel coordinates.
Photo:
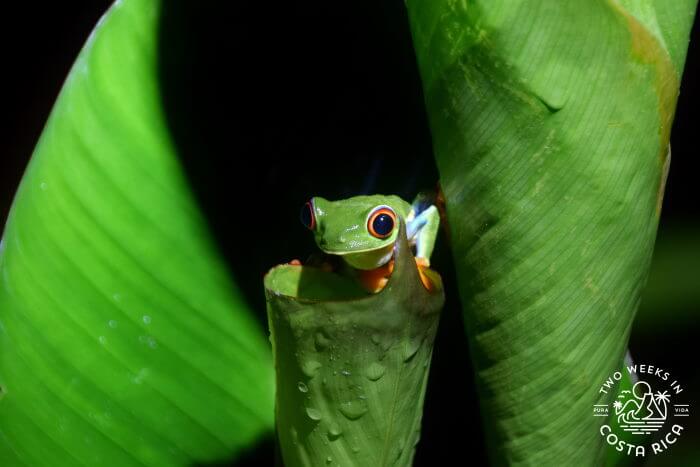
(307, 216)
(381, 222)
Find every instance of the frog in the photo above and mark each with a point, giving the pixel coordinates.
(361, 231)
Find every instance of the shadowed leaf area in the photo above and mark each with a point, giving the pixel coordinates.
(317, 99)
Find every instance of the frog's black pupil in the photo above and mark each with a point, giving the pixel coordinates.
(306, 216)
(383, 224)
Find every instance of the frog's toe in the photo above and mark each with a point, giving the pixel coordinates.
(422, 262)
(381, 283)
(374, 280)
(427, 283)
(423, 265)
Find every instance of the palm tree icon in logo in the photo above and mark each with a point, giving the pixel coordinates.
(640, 411)
(662, 399)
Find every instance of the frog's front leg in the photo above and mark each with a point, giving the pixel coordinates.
(421, 229)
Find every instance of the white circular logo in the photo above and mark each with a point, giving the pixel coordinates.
(644, 419)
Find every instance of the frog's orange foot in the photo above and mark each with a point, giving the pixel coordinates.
(374, 280)
(374, 285)
(423, 264)
(294, 262)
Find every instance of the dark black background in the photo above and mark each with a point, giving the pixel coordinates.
(271, 104)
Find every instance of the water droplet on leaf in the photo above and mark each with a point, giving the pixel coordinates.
(310, 368)
(334, 432)
(411, 348)
(314, 414)
(321, 341)
(353, 409)
(375, 371)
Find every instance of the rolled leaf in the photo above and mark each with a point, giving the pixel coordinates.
(123, 340)
(550, 125)
(351, 368)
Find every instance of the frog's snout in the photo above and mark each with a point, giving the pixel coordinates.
(323, 243)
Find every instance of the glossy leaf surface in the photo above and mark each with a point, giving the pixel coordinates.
(550, 125)
(123, 340)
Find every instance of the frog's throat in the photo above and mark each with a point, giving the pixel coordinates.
(369, 259)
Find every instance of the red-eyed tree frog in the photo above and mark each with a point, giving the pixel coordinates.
(362, 230)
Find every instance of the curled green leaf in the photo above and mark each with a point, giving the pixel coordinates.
(351, 368)
(123, 339)
(550, 125)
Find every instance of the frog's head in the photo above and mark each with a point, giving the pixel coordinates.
(361, 229)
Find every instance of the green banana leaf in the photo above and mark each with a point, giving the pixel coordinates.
(123, 340)
(352, 369)
(550, 125)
